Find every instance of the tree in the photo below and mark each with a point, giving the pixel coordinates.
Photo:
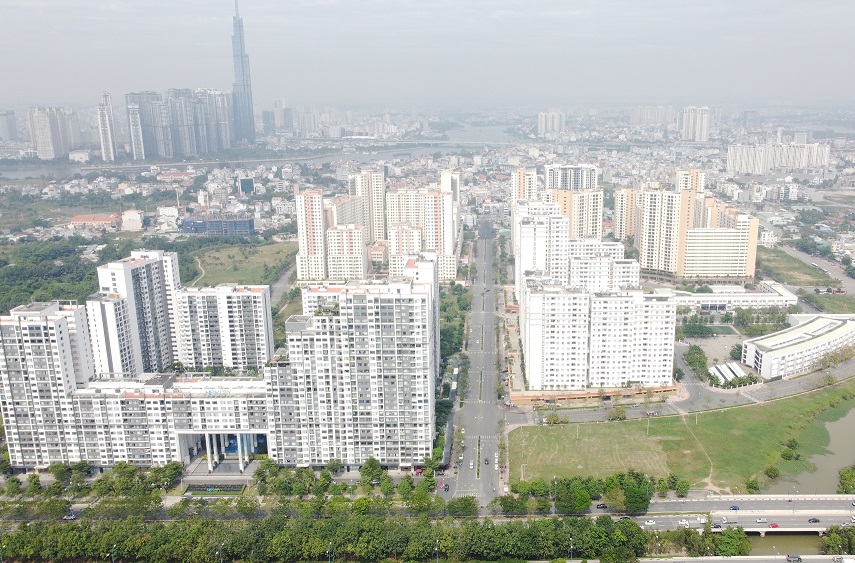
(553, 418)
(736, 352)
(682, 488)
(335, 466)
(247, 506)
(13, 486)
(463, 506)
(615, 499)
(34, 484)
(405, 487)
(60, 472)
(617, 413)
(731, 542)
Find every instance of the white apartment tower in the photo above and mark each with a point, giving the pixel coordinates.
(148, 280)
(359, 378)
(347, 258)
(690, 180)
(550, 123)
(371, 184)
(311, 232)
(695, 124)
(435, 213)
(44, 356)
(228, 325)
(115, 351)
(572, 177)
(404, 241)
(135, 131)
(106, 131)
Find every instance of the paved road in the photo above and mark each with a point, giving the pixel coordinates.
(835, 269)
(480, 414)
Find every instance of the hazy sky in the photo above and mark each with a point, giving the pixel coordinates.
(435, 52)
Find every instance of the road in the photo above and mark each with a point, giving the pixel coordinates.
(479, 416)
(835, 269)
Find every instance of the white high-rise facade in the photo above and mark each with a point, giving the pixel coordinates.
(550, 123)
(524, 184)
(106, 131)
(762, 159)
(360, 376)
(115, 348)
(571, 177)
(45, 354)
(311, 236)
(50, 131)
(224, 326)
(695, 124)
(371, 184)
(147, 279)
(435, 213)
(690, 180)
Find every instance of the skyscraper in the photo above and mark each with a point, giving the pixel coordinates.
(8, 126)
(695, 124)
(106, 132)
(242, 91)
(51, 130)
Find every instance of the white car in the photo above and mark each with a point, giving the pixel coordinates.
(762, 521)
(683, 522)
(702, 519)
(650, 522)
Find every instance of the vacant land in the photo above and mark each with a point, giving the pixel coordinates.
(243, 265)
(829, 303)
(717, 449)
(780, 266)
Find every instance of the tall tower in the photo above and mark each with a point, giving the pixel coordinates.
(244, 121)
(105, 128)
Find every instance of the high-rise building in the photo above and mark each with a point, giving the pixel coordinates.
(653, 115)
(45, 355)
(51, 131)
(571, 177)
(371, 184)
(228, 325)
(550, 123)
(584, 211)
(141, 124)
(311, 236)
(106, 130)
(692, 180)
(148, 280)
(762, 159)
(242, 91)
(8, 126)
(524, 184)
(115, 349)
(695, 124)
(347, 258)
(360, 376)
(435, 213)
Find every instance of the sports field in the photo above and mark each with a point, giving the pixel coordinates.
(719, 449)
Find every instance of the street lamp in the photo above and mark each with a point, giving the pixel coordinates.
(571, 550)
(329, 553)
(436, 549)
(220, 552)
(113, 554)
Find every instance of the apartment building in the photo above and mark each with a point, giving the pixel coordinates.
(228, 325)
(311, 236)
(574, 177)
(371, 184)
(347, 257)
(524, 184)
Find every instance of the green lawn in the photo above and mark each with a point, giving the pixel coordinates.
(830, 303)
(782, 267)
(242, 265)
(741, 442)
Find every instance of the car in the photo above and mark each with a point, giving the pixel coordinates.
(813, 521)
(70, 516)
(650, 522)
(837, 559)
(716, 526)
(853, 503)
(445, 487)
(486, 461)
(601, 505)
(622, 518)
(683, 522)
(471, 464)
(761, 520)
(773, 525)
(701, 519)
(734, 507)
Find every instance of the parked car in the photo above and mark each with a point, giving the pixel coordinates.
(716, 526)
(70, 516)
(445, 487)
(773, 525)
(761, 520)
(813, 521)
(650, 522)
(683, 522)
(734, 507)
(601, 505)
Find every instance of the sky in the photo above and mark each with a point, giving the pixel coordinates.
(436, 53)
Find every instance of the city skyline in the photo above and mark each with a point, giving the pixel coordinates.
(435, 53)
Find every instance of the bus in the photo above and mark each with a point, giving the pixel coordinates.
(814, 264)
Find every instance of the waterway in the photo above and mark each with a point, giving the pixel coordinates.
(781, 544)
(841, 454)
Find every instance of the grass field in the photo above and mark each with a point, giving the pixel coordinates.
(829, 303)
(235, 264)
(780, 266)
(723, 449)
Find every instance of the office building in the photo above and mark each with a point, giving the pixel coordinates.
(311, 236)
(371, 185)
(224, 326)
(8, 126)
(695, 124)
(106, 130)
(242, 91)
